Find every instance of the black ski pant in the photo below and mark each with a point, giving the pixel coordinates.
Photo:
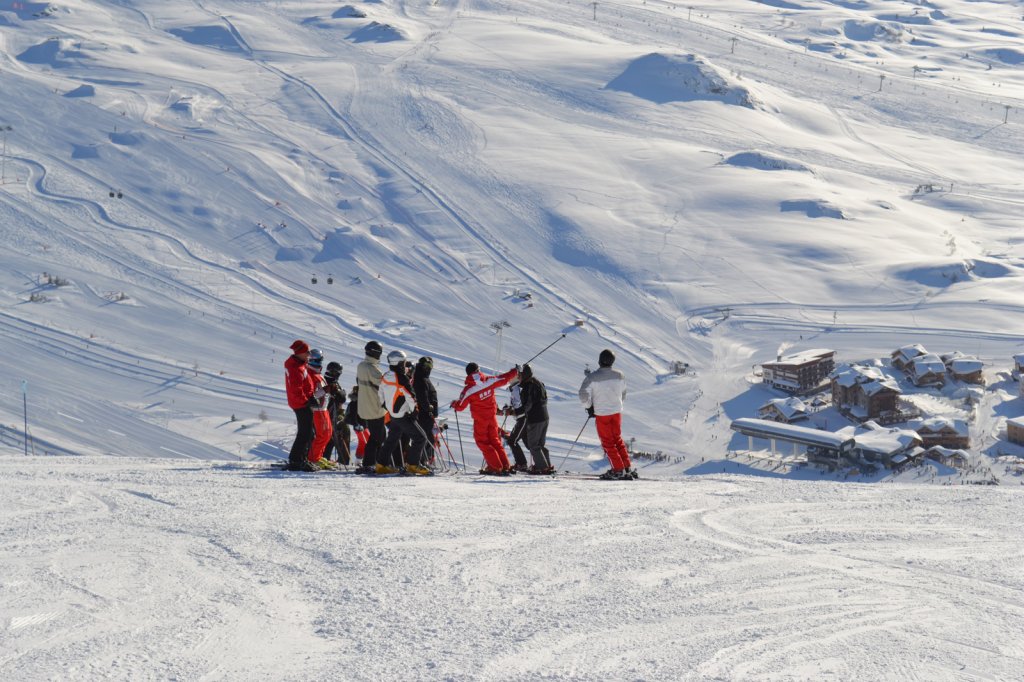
(400, 427)
(536, 436)
(426, 424)
(516, 436)
(377, 435)
(340, 440)
(303, 437)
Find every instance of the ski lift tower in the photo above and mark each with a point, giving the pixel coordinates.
(499, 327)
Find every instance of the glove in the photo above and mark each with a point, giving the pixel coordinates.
(590, 411)
(453, 404)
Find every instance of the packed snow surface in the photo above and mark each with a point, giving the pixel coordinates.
(145, 569)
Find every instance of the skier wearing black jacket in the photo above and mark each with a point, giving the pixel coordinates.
(535, 406)
(426, 400)
(342, 434)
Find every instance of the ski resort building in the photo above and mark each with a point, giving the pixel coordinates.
(801, 372)
(926, 370)
(785, 410)
(1018, 366)
(893, 447)
(1015, 430)
(949, 433)
(952, 458)
(821, 445)
(901, 357)
(864, 392)
(964, 368)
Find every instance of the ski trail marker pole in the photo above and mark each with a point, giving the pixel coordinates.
(544, 349)
(574, 442)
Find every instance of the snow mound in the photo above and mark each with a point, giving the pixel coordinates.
(342, 243)
(82, 91)
(662, 78)
(194, 107)
(376, 32)
(216, 37)
(863, 31)
(125, 139)
(813, 208)
(348, 12)
(944, 274)
(55, 53)
(1006, 56)
(764, 161)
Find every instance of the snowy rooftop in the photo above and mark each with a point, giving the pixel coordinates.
(801, 358)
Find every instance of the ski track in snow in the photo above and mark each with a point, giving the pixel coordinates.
(125, 567)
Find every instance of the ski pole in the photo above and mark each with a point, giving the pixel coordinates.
(458, 430)
(449, 449)
(574, 442)
(544, 349)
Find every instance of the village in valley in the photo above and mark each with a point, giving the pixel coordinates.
(909, 415)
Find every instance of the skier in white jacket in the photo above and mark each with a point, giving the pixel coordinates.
(602, 394)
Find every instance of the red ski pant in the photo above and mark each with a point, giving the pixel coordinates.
(609, 430)
(323, 429)
(488, 438)
(362, 437)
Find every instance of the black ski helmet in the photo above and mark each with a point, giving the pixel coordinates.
(472, 368)
(333, 370)
(373, 349)
(606, 358)
(525, 372)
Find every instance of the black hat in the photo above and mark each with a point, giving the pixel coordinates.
(373, 349)
(525, 372)
(427, 362)
(472, 368)
(606, 358)
(333, 369)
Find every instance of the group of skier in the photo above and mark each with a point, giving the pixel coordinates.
(394, 415)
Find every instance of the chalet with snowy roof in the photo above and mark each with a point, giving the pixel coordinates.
(951, 458)
(1018, 365)
(967, 369)
(891, 446)
(901, 357)
(926, 370)
(864, 392)
(800, 372)
(949, 433)
(1015, 430)
(785, 410)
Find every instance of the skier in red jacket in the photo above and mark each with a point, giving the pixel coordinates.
(299, 386)
(478, 395)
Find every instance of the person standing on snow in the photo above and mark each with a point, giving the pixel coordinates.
(335, 407)
(534, 397)
(355, 423)
(397, 394)
(370, 410)
(518, 433)
(478, 395)
(426, 401)
(602, 393)
(323, 430)
(299, 387)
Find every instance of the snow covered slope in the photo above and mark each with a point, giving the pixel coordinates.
(142, 569)
(701, 184)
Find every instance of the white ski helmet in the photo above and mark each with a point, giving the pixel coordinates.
(396, 357)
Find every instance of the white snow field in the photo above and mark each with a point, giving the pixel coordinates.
(189, 185)
(155, 569)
